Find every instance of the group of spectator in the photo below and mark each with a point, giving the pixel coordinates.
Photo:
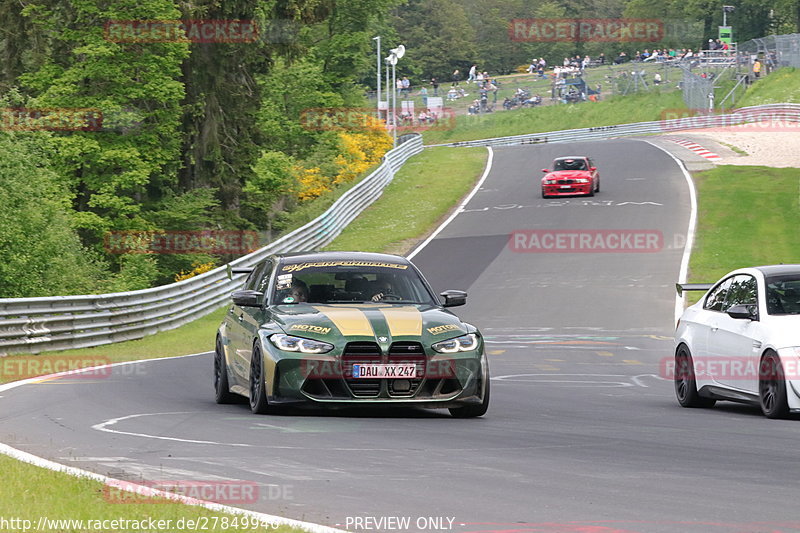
(424, 117)
(538, 66)
(717, 45)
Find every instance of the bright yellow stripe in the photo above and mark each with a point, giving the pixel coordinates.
(348, 321)
(403, 320)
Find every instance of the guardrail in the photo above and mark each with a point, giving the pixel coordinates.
(773, 112)
(33, 325)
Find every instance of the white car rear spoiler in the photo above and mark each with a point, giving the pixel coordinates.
(680, 287)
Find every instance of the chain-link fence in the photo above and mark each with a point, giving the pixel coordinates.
(698, 89)
(774, 51)
(729, 73)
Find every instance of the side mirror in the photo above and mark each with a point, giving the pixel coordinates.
(453, 298)
(545, 170)
(592, 168)
(247, 298)
(743, 311)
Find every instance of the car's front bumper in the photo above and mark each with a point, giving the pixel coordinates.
(567, 190)
(450, 380)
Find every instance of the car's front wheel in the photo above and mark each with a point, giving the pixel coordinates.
(473, 411)
(222, 393)
(685, 384)
(543, 194)
(772, 387)
(258, 391)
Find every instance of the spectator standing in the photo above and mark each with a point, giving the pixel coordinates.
(406, 87)
(757, 68)
(472, 73)
(423, 92)
(435, 85)
(456, 77)
(492, 87)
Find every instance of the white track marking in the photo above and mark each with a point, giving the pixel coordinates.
(103, 426)
(687, 249)
(516, 378)
(639, 382)
(460, 208)
(141, 489)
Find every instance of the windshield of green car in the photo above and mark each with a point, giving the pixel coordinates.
(349, 282)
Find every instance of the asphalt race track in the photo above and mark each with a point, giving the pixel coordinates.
(583, 433)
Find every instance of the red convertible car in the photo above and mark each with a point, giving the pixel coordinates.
(575, 175)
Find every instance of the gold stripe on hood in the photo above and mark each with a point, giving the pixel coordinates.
(403, 320)
(348, 321)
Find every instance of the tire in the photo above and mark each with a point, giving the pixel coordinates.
(473, 411)
(772, 387)
(597, 189)
(543, 194)
(685, 384)
(222, 393)
(591, 191)
(258, 392)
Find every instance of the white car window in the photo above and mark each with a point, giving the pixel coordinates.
(715, 301)
(741, 291)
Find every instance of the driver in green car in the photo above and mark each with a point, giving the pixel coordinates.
(381, 288)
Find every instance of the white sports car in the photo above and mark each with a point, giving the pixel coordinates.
(741, 341)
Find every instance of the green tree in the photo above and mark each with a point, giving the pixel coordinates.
(40, 253)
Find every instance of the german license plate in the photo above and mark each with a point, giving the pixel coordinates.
(566, 186)
(384, 371)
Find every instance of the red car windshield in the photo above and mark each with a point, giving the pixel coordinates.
(569, 164)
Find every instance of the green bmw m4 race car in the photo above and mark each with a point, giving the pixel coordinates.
(348, 329)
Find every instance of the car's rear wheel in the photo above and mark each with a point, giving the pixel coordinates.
(772, 387)
(222, 393)
(258, 391)
(473, 411)
(685, 384)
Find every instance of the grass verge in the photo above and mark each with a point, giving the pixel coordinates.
(62, 497)
(640, 107)
(420, 195)
(747, 216)
(782, 86)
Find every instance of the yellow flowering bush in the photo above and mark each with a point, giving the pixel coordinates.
(199, 268)
(358, 152)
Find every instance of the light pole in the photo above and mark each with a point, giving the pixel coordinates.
(725, 11)
(378, 75)
(394, 55)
